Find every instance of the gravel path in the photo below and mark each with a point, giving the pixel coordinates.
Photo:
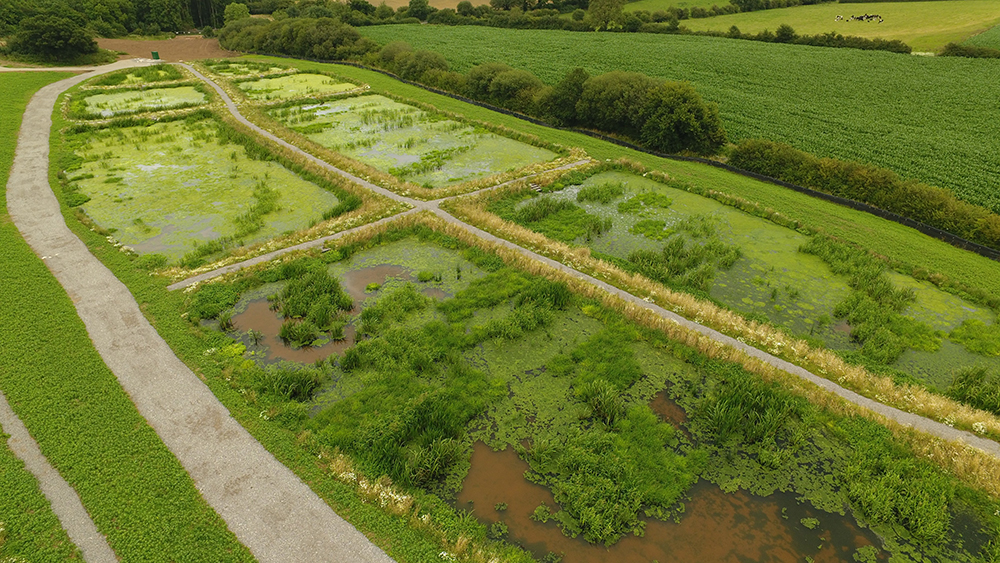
(908, 419)
(267, 507)
(65, 502)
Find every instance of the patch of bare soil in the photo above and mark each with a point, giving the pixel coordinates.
(181, 48)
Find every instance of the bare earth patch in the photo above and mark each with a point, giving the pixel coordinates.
(177, 49)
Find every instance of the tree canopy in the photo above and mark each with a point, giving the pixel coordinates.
(52, 37)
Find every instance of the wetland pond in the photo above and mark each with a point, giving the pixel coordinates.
(772, 277)
(715, 526)
(410, 143)
(166, 187)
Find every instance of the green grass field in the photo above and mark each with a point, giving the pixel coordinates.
(989, 38)
(139, 496)
(30, 527)
(890, 110)
(925, 26)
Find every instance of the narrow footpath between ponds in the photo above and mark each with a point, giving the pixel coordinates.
(267, 507)
(918, 422)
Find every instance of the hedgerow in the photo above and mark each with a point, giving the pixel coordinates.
(876, 186)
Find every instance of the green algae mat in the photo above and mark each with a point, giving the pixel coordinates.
(165, 187)
(412, 144)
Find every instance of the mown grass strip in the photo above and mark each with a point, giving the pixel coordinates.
(28, 527)
(139, 496)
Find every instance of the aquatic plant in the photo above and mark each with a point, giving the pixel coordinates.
(976, 386)
(601, 193)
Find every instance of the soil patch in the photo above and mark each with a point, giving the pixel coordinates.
(177, 49)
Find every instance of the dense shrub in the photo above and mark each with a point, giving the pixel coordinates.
(971, 51)
(321, 38)
(872, 185)
(52, 37)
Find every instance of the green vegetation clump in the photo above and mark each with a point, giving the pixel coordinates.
(557, 219)
(601, 193)
(311, 305)
(874, 308)
(643, 202)
(977, 386)
(690, 256)
(978, 337)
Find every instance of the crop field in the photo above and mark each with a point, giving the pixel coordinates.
(110, 103)
(291, 86)
(749, 264)
(409, 143)
(166, 187)
(890, 110)
(473, 375)
(925, 26)
(654, 5)
(989, 38)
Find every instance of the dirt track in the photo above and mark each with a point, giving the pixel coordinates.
(181, 48)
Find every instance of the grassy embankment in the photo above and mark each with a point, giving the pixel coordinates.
(139, 496)
(925, 26)
(894, 111)
(28, 526)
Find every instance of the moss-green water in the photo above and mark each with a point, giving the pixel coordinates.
(114, 103)
(412, 144)
(293, 86)
(771, 278)
(166, 187)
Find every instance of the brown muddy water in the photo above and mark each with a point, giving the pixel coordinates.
(259, 316)
(715, 527)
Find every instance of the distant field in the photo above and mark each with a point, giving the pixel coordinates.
(989, 38)
(925, 117)
(653, 5)
(925, 26)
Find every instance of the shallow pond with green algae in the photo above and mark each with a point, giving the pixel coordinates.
(291, 86)
(132, 101)
(412, 144)
(165, 187)
(773, 278)
(366, 277)
(226, 68)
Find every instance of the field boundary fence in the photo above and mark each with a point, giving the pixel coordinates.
(924, 228)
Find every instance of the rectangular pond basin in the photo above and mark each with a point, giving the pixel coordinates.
(411, 144)
(169, 186)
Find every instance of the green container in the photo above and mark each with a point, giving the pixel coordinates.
(156, 55)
